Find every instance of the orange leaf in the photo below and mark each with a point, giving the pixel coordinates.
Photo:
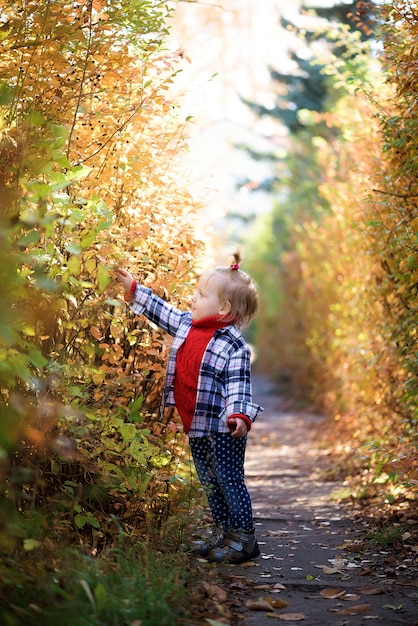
(356, 610)
(95, 332)
(331, 593)
(258, 605)
(277, 603)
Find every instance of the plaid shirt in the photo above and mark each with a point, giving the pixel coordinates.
(224, 384)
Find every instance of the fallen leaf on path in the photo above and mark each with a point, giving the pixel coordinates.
(372, 590)
(277, 603)
(291, 617)
(352, 597)
(355, 610)
(341, 594)
(215, 592)
(331, 570)
(279, 586)
(332, 594)
(258, 605)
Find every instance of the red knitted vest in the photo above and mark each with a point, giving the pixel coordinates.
(189, 358)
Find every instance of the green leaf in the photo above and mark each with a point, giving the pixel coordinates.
(31, 237)
(74, 266)
(74, 248)
(6, 94)
(36, 119)
(80, 520)
(37, 358)
(58, 131)
(103, 277)
(112, 302)
(31, 544)
(88, 239)
(100, 595)
(128, 432)
(161, 460)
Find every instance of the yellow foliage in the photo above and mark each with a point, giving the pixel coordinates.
(90, 180)
(349, 280)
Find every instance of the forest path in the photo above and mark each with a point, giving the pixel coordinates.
(313, 553)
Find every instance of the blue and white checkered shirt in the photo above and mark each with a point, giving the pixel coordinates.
(224, 384)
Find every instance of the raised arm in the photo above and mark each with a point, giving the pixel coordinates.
(142, 301)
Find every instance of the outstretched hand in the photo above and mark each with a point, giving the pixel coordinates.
(125, 278)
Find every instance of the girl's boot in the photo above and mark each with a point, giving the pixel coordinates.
(204, 545)
(238, 546)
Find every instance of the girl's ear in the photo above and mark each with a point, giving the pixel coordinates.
(225, 308)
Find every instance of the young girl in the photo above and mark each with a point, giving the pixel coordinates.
(208, 380)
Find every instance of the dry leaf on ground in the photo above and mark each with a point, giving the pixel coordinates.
(291, 617)
(279, 587)
(258, 605)
(355, 610)
(372, 590)
(331, 593)
(330, 570)
(215, 592)
(277, 603)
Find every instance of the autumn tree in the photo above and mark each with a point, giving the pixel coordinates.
(344, 326)
(90, 179)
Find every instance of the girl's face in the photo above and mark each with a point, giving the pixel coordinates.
(205, 300)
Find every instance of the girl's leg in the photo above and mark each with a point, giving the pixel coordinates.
(204, 458)
(219, 461)
(229, 455)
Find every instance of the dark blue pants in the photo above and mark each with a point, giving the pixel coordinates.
(219, 461)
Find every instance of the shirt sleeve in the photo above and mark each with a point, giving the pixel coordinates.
(164, 315)
(238, 388)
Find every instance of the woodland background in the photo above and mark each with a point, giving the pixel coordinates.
(92, 177)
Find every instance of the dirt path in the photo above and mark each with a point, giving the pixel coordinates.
(313, 555)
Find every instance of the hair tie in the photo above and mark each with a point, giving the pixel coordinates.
(234, 266)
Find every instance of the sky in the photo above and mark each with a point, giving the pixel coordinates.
(229, 46)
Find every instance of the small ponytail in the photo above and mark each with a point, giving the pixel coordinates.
(237, 259)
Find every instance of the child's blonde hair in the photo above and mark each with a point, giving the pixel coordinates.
(236, 287)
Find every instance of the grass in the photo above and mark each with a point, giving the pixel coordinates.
(121, 587)
(385, 537)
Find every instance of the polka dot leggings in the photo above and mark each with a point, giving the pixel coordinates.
(219, 462)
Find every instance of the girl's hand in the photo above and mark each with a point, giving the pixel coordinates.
(237, 426)
(125, 278)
